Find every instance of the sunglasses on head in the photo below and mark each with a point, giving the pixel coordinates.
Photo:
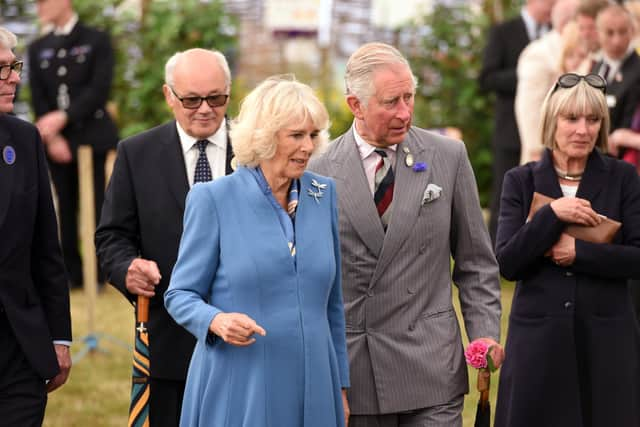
(569, 80)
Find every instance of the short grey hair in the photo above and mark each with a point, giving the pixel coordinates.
(175, 58)
(275, 104)
(8, 40)
(364, 62)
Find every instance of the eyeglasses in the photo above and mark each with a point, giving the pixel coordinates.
(569, 80)
(194, 102)
(5, 70)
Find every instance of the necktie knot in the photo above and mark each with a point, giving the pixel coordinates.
(202, 145)
(381, 153)
(203, 170)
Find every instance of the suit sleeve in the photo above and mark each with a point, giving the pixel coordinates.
(94, 95)
(335, 309)
(117, 236)
(521, 245)
(495, 76)
(47, 267)
(475, 270)
(37, 85)
(196, 266)
(616, 260)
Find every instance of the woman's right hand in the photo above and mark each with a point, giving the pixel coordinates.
(236, 328)
(576, 211)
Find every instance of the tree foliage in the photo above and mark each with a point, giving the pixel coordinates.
(143, 45)
(447, 65)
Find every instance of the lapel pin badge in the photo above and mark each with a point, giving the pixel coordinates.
(9, 155)
(408, 160)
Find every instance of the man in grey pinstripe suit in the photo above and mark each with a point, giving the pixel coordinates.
(405, 347)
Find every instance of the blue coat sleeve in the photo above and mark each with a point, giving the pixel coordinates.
(335, 308)
(193, 276)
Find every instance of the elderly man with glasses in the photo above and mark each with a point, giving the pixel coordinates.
(141, 224)
(35, 322)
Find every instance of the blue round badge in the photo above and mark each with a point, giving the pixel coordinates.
(9, 155)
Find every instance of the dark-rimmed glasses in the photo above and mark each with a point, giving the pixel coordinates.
(569, 80)
(5, 70)
(194, 102)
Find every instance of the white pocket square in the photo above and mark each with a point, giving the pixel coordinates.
(431, 193)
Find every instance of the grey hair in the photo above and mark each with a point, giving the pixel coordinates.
(175, 58)
(8, 40)
(364, 62)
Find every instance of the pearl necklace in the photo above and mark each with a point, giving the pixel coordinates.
(569, 176)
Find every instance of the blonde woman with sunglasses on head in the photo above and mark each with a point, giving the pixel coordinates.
(572, 356)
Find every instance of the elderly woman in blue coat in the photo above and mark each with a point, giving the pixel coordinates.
(257, 280)
(572, 349)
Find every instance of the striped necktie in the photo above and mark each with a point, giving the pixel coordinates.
(383, 187)
(203, 170)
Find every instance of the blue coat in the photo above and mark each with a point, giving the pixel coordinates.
(234, 258)
(572, 354)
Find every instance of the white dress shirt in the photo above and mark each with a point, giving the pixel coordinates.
(370, 159)
(216, 151)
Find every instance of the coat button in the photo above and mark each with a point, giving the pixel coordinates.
(62, 71)
(422, 249)
(411, 291)
(369, 293)
(568, 274)
(568, 305)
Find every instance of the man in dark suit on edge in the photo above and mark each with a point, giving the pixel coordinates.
(35, 322)
(141, 224)
(506, 41)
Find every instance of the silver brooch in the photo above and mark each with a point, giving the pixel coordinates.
(316, 194)
(408, 160)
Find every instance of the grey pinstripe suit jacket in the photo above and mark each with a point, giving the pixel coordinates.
(404, 341)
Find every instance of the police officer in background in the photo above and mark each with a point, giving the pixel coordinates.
(70, 73)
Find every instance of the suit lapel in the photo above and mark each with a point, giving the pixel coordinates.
(407, 196)
(170, 162)
(355, 198)
(6, 173)
(545, 180)
(594, 178)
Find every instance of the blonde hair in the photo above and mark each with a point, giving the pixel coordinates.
(571, 41)
(8, 40)
(363, 62)
(276, 103)
(581, 99)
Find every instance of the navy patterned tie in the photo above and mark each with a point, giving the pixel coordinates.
(203, 170)
(383, 187)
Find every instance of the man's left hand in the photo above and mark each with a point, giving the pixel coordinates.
(496, 353)
(64, 361)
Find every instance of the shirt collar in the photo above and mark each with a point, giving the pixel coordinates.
(364, 148)
(532, 25)
(219, 138)
(615, 63)
(66, 29)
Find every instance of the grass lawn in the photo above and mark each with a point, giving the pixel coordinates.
(97, 393)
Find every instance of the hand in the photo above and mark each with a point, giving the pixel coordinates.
(58, 149)
(51, 123)
(563, 252)
(236, 328)
(576, 211)
(143, 276)
(618, 138)
(496, 352)
(345, 406)
(64, 361)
